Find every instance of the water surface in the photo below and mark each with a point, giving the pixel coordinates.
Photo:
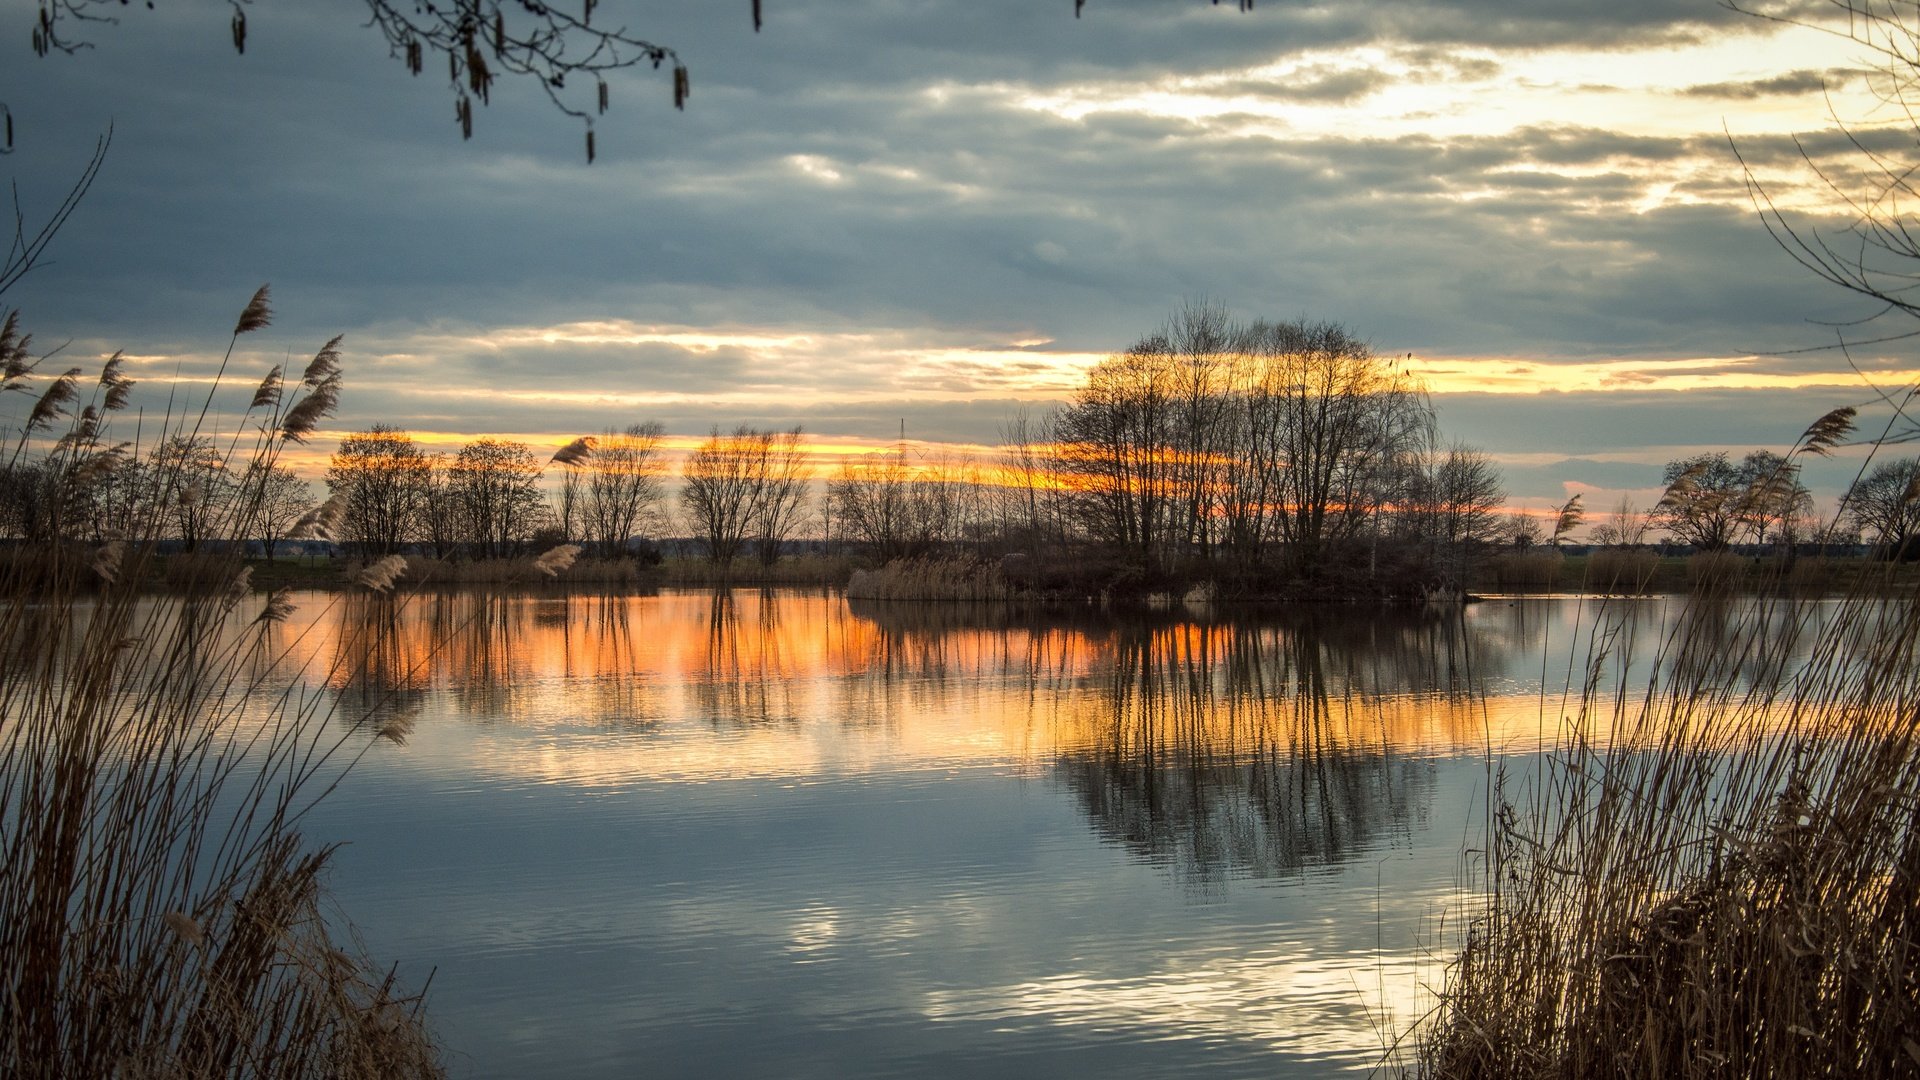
(778, 834)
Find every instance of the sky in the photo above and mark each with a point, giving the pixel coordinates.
(923, 211)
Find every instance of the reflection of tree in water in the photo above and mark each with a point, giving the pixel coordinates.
(1263, 748)
(745, 678)
(391, 655)
(1754, 643)
(379, 680)
(599, 644)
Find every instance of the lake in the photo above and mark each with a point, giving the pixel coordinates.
(784, 834)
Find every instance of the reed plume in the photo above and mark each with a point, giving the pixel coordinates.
(256, 315)
(381, 575)
(575, 452)
(554, 560)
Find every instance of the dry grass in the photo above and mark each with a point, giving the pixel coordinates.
(1526, 571)
(1715, 571)
(1716, 873)
(1620, 572)
(931, 579)
(160, 914)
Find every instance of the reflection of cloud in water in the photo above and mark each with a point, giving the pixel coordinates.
(1292, 1000)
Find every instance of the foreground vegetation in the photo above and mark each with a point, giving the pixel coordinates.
(1716, 869)
(160, 913)
(1716, 872)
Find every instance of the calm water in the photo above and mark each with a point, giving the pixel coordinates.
(778, 834)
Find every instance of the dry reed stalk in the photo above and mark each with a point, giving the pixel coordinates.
(159, 914)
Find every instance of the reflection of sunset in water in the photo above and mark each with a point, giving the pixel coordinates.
(681, 832)
(794, 683)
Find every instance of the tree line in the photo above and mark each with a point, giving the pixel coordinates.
(1285, 450)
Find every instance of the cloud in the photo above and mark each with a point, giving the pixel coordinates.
(1789, 83)
(874, 202)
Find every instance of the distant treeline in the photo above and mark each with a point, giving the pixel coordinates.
(1282, 456)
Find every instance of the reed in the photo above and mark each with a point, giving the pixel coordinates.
(1619, 572)
(931, 579)
(1715, 869)
(160, 914)
(1526, 571)
(1711, 571)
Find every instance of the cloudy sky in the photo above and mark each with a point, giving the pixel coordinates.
(933, 211)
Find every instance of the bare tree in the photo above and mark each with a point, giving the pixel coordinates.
(381, 479)
(788, 476)
(273, 500)
(1885, 505)
(1704, 501)
(1201, 345)
(899, 509)
(569, 499)
(723, 484)
(1115, 452)
(194, 487)
(496, 485)
(1774, 496)
(442, 520)
(1292, 436)
(1027, 496)
(1625, 526)
(1459, 496)
(1522, 530)
(1348, 422)
(624, 492)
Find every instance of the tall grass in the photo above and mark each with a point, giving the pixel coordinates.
(930, 579)
(1715, 872)
(1526, 571)
(160, 914)
(1621, 572)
